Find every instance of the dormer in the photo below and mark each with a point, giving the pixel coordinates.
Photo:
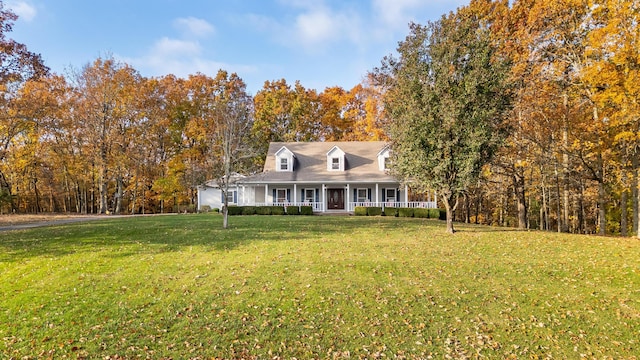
(284, 160)
(383, 158)
(335, 159)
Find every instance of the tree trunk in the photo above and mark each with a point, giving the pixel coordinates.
(634, 193)
(602, 223)
(119, 194)
(623, 206)
(521, 200)
(565, 167)
(451, 210)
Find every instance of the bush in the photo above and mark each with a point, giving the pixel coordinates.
(374, 211)
(421, 213)
(277, 210)
(434, 213)
(293, 210)
(443, 214)
(390, 212)
(360, 211)
(215, 210)
(263, 210)
(248, 210)
(405, 212)
(306, 210)
(205, 208)
(234, 210)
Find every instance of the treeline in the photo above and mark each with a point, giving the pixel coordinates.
(107, 139)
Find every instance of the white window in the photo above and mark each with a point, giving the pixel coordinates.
(387, 161)
(284, 164)
(335, 163)
(362, 195)
(231, 196)
(309, 195)
(281, 195)
(390, 195)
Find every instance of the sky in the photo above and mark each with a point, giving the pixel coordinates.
(321, 43)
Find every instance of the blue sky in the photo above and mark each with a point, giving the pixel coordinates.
(322, 43)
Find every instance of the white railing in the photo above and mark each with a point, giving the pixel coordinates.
(394, 204)
(317, 206)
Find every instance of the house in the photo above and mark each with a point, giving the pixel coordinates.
(329, 176)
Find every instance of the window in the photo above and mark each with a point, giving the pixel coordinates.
(231, 196)
(335, 163)
(362, 195)
(390, 195)
(387, 161)
(281, 195)
(284, 164)
(309, 195)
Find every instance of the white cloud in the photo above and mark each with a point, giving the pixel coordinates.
(176, 48)
(180, 58)
(396, 13)
(23, 9)
(194, 26)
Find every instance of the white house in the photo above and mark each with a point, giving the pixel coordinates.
(329, 176)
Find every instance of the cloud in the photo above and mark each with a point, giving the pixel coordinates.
(23, 9)
(194, 26)
(180, 58)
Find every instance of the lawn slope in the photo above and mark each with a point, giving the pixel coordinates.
(314, 287)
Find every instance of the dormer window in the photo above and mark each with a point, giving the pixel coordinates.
(384, 159)
(284, 159)
(335, 163)
(335, 159)
(284, 164)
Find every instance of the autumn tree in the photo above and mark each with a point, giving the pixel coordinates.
(17, 65)
(446, 98)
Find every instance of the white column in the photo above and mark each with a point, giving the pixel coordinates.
(377, 194)
(322, 198)
(347, 199)
(406, 195)
(266, 194)
(295, 193)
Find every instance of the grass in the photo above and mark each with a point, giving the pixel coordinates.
(314, 287)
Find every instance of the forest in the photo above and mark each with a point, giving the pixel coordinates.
(104, 139)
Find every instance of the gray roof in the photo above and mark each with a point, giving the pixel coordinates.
(310, 164)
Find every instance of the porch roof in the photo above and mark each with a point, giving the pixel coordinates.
(310, 164)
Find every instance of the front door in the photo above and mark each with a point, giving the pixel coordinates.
(336, 199)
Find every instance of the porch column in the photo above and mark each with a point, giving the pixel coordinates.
(266, 194)
(347, 199)
(322, 198)
(377, 195)
(406, 195)
(295, 194)
(244, 199)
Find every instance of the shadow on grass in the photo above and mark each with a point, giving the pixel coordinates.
(135, 235)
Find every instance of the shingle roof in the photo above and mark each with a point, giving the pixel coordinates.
(310, 163)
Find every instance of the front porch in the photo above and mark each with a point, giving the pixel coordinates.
(350, 207)
(334, 197)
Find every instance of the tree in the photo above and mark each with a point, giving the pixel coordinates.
(224, 112)
(17, 65)
(446, 97)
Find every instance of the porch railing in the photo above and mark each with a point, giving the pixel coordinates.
(394, 204)
(316, 205)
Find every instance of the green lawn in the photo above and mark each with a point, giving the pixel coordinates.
(314, 287)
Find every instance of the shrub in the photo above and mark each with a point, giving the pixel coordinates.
(389, 211)
(306, 210)
(263, 210)
(434, 213)
(215, 210)
(277, 210)
(374, 211)
(205, 208)
(360, 211)
(421, 213)
(248, 210)
(234, 210)
(293, 210)
(443, 214)
(405, 212)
